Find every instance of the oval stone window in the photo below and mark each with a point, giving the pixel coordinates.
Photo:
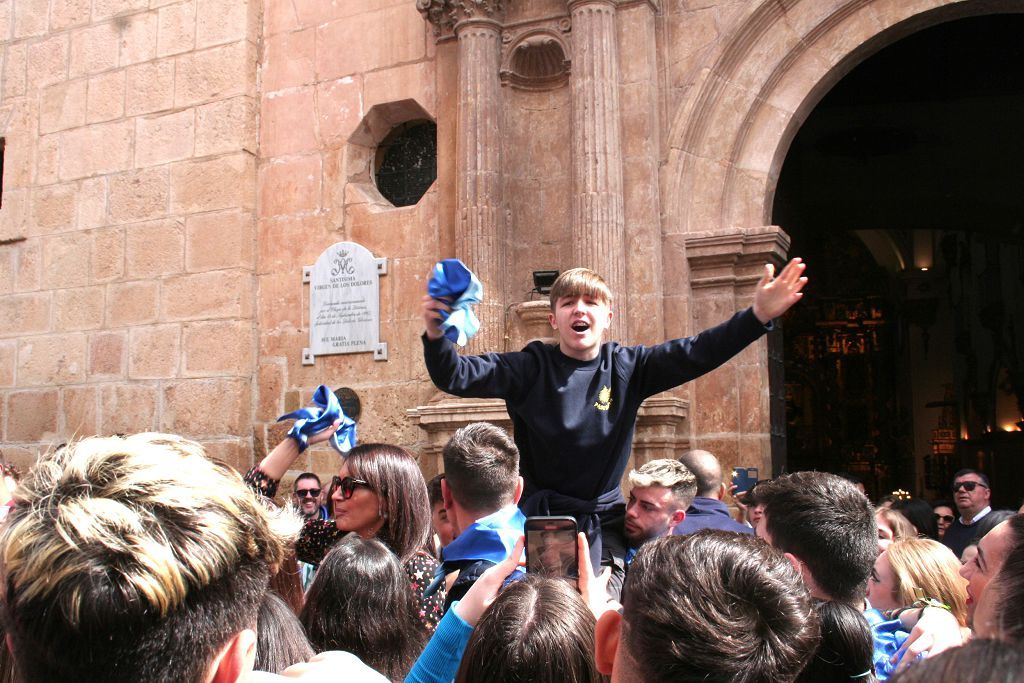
(407, 162)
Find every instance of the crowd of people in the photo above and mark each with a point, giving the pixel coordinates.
(136, 558)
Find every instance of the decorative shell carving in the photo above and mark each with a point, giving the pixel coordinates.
(537, 61)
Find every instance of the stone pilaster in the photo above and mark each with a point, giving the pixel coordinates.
(737, 413)
(480, 235)
(598, 234)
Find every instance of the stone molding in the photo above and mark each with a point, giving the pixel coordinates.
(734, 257)
(662, 426)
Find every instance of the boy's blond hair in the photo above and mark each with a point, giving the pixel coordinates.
(669, 474)
(580, 282)
(133, 558)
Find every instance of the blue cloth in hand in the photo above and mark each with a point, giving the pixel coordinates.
(456, 285)
(309, 421)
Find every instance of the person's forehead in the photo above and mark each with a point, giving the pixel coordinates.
(968, 477)
(995, 544)
(652, 494)
(306, 481)
(943, 509)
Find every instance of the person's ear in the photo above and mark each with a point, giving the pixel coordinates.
(236, 659)
(519, 490)
(676, 519)
(551, 320)
(722, 490)
(446, 495)
(606, 640)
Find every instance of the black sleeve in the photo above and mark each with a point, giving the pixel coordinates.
(675, 362)
(491, 375)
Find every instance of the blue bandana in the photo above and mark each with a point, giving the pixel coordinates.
(309, 421)
(456, 285)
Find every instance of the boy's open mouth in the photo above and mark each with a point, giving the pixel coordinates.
(580, 326)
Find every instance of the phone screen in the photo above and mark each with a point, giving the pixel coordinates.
(551, 546)
(744, 479)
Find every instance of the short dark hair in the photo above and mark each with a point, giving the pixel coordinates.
(434, 490)
(280, 640)
(394, 475)
(481, 466)
(968, 470)
(539, 629)
(133, 559)
(706, 469)
(846, 650)
(919, 513)
(361, 601)
(828, 525)
(716, 601)
(306, 475)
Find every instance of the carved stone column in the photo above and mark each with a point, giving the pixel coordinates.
(480, 239)
(598, 234)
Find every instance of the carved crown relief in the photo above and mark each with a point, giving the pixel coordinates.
(445, 14)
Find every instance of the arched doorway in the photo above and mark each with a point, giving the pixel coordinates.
(902, 189)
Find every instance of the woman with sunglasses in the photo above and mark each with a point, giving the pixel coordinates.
(378, 493)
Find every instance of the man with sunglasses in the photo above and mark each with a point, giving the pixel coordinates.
(306, 496)
(971, 495)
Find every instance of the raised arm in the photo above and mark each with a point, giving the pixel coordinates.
(775, 295)
(279, 460)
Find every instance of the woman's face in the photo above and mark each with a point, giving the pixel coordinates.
(944, 517)
(884, 533)
(360, 513)
(882, 585)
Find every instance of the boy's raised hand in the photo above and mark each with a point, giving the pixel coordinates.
(774, 296)
(432, 316)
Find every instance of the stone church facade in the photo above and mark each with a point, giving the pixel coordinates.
(171, 166)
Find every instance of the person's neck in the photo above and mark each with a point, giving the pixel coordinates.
(465, 518)
(969, 518)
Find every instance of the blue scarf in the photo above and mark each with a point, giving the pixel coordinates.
(309, 421)
(454, 284)
(490, 539)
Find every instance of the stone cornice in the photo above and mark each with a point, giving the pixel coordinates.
(444, 15)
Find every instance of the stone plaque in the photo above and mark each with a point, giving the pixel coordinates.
(344, 302)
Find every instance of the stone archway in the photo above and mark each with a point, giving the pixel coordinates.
(726, 144)
(728, 139)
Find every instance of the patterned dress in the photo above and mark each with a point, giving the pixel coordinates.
(319, 535)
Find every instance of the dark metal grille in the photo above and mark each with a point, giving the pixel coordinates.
(408, 163)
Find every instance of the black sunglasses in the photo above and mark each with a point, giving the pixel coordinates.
(948, 519)
(307, 493)
(348, 485)
(968, 485)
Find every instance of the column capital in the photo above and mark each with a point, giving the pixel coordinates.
(652, 4)
(445, 15)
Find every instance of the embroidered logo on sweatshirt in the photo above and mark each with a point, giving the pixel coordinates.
(604, 399)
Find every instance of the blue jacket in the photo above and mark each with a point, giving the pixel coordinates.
(709, 513)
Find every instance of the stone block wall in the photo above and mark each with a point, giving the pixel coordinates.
(334, 78)
(127, 222)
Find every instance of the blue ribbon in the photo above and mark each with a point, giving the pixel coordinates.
(456, 285)
(309, 421)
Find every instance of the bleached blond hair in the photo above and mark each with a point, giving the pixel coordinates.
(133, 558)
(670, 474)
